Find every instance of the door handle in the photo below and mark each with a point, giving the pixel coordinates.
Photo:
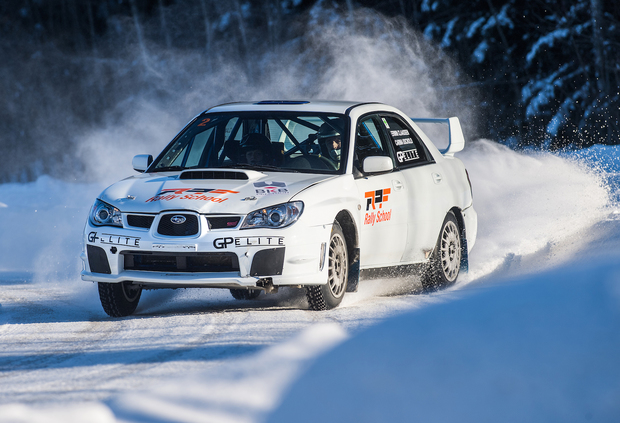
(437, 178)
(397, 185)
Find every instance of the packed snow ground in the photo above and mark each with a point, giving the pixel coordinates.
(200, 356)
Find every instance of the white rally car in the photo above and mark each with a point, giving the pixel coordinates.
(256, 196)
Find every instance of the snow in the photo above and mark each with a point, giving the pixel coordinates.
(97, 413)
(526, 204)
(501, 19)
(185, 400)
(446, 41)
(537, 94)
(544, 348)
(546, 41)
(568, 105)
(540, 346)
(480, 53)
(473, 28)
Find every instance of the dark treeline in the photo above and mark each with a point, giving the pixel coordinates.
(545, 73)
(549, 69)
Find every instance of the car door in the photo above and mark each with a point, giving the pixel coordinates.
(426, 199)
(383, 199)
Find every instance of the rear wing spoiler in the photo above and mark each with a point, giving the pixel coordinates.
(456, 140)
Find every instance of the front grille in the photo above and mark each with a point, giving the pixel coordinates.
(181, 262)
(140, 220)
(188, 227)
(223, 222)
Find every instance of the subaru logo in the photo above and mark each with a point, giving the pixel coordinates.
(177, 219)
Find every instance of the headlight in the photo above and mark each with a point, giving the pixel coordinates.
(103, 214)
(274, 217)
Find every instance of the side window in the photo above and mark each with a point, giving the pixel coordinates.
(408, 146)
(233, 124)
(198, 147)
(369, 140)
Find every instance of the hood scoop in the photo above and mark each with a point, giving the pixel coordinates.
(213, 174)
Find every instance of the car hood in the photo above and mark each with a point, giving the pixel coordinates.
(223, 192)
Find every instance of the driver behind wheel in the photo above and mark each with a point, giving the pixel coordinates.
(330, 138)
(256, 149)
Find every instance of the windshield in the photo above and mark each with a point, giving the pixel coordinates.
(275, 141)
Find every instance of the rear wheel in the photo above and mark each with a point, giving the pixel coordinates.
(245, 294)
(119, 299)
(445, 262)
(328, 296)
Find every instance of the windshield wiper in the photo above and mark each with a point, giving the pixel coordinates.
(260, 167)
(168, 169)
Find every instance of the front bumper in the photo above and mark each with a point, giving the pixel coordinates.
(223, 258)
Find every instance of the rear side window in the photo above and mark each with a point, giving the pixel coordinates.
(408, 147)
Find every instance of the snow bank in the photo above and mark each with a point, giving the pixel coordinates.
(544, 348)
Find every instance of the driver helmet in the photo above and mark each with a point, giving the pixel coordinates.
(255, 141)
(325, 132)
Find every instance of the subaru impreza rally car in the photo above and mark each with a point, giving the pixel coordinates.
(256, 196)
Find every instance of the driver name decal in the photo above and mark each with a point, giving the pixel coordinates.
(375, 213)
(401, 137)
(199, 194)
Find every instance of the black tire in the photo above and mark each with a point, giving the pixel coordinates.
(328, 296)
(445, 262)
(245, 294)
(119, 299)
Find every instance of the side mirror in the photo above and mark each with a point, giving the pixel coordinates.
(141, 162)
(378, 164)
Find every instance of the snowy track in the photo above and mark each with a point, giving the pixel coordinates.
(201, 353)
(55, 348)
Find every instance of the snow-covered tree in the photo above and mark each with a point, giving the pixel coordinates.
(548, 67)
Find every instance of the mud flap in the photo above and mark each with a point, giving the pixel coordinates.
(354, 271)
(464, 253)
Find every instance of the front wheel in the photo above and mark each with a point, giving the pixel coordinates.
(445, 262)
(119, 299)
(328, 296)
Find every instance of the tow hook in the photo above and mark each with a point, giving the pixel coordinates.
(267, 285)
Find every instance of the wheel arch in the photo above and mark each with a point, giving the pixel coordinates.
(349, 228)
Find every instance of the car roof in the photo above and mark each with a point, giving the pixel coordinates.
(322, 106)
